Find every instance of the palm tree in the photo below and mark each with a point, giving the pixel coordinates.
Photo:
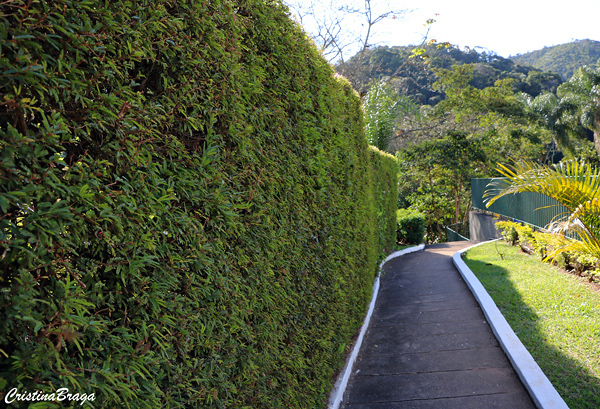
(580, 101)
(574, 184)
(559, 117)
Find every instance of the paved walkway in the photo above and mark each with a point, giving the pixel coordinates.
(428, 344)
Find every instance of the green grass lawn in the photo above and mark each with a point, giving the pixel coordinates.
(556, 315)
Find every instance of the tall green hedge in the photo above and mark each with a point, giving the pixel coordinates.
(187, 214)
(385, 168)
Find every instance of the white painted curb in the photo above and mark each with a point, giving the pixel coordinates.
(339, 389)
(541, 390)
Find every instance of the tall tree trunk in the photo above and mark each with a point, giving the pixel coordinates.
(457, 190)
(435, 210)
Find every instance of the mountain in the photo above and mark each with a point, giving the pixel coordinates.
(415, 77)
(562, 59)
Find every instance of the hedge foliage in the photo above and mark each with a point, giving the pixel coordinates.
(410, 227)
(385, 168)
(187, 213)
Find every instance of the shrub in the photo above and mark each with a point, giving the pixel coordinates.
(508, 231)
(187, 213)
(516, 233)
(584, 264)
(545, 245)
(526, 238)
(410, 226)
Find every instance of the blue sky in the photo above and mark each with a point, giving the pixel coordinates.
(507, 28)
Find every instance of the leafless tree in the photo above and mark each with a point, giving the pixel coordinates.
(342, 28)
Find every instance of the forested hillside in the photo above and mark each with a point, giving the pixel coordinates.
(563, 59)
(414, 76)
(450, 115)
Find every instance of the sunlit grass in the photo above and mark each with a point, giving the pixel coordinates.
(556, 315)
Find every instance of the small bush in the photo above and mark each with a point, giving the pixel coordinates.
(585, 265)
(516, 233)
(508, 231)
(410, 226)
(526, 238)
(545, 245)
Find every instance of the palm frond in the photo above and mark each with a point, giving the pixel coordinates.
(570, 183)
(574, 184)
(585, 245)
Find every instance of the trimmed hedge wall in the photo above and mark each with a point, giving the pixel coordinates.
(385, 167)
(187, 213)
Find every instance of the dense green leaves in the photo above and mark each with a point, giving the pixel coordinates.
(385, 171)
(187, 205)
(415, 76)
(410, 226)
(574, 184)
(580, 101)
(383, 105)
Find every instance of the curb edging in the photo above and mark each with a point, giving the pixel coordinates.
(540, 389)
(339, 389)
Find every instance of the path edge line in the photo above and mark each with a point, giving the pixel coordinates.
(337, 395)
(540, 389)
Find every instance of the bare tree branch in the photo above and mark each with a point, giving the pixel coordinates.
(339, 29)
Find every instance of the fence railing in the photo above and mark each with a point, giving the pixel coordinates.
(457, 232)
(528, 207)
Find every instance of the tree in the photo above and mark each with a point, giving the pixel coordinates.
(558, 116)
(435, 178)
(342, 28)
(574, 184)
(382, 107)
(416, 66)
(460, 138)
(464, 99)
(497, 115)
(580, 99)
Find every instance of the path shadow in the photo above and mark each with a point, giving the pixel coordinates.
(583, 391)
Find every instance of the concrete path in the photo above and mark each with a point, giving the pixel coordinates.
(428, 344)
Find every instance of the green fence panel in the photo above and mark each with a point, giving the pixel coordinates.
(532, 208)
(454, 232)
